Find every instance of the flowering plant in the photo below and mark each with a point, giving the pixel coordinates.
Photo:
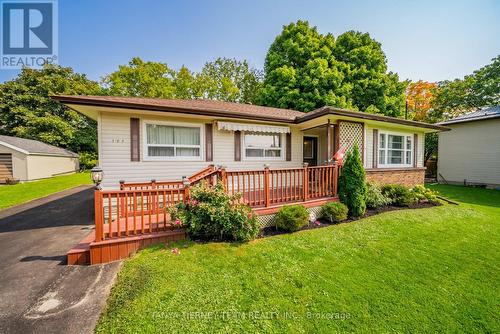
(212, 214)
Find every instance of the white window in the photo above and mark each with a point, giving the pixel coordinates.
(395, 150)
(263, 146)
(172, 142)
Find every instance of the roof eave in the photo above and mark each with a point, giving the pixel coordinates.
(451, 121)
(356, 114)
(149, 107)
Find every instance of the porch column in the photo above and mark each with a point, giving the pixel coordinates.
(329, 139)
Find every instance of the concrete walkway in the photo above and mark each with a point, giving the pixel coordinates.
(39, 293)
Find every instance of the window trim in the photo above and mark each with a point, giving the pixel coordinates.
(405, 136)
(282, 148)
(145, 144)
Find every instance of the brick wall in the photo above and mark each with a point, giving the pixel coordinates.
(407, 177)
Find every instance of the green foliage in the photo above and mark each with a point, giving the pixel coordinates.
(305, 70)
(211, 214)
(480, 89)
(374, 198)
(352, 184)
(422, 193)
(142, 79)
(27, 111)
(373, 88)
(399, 195)
(292, 217)
(334, 212)
(431, 145)
(230, 80)
(301, 71)
(87, 160)
(486, 86)
(223, 79)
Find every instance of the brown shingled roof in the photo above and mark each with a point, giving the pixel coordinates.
(200, 106)
(230, 109)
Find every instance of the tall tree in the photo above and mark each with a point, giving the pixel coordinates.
(223, 79)
(485, 90)
(141, 78)
(451, 98)
(27, 111)
(187, 85)
(301, 71)
(419, 96)
(480, 89)
(231, 80)
(373, 88)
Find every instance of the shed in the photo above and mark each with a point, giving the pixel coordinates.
(27, 160)
(469, 154)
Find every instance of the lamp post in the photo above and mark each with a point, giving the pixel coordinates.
(97, 175)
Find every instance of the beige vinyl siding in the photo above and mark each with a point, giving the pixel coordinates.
(369, 143)
(319, 133)
(19, 170)
(44, 166)
(471, 152)
(114, 146)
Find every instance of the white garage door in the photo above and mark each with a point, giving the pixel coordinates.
(5, 167)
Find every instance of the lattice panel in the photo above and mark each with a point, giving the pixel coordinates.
(350, 134)
(268, 220)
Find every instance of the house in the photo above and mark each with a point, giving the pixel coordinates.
(141, 139)
(27, 160)
(470, 153)
(152, 150)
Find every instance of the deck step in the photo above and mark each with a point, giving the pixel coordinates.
(88, 251)
(80, 253)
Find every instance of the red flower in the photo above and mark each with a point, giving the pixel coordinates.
(317, 222)
(177, 222)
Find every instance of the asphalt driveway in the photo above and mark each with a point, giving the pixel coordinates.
(39, 293)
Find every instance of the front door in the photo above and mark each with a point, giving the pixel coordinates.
(310, 150)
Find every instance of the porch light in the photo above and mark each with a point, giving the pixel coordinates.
(185, 181)
(96, 174)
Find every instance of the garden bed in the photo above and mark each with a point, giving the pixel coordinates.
(272, 230)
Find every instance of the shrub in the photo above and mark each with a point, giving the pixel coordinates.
(292, 217)
(87, 160)
(422, 193)
(352, 187)
(399, 195)
(374, 197)
(212, 214)
(334, 212)
(11, 181)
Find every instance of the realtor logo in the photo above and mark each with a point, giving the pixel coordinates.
(29, 33)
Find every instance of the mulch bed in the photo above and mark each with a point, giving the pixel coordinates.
(272, 230)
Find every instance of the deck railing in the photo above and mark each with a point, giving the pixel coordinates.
(141, 208)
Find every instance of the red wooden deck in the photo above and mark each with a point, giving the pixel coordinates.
(136, 215)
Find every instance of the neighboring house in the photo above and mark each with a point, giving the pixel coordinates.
(142, 139)
(470, 153)
(26, 160)
(159, 148)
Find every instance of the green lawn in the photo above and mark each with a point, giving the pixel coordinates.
(24, 192)
(424, 270)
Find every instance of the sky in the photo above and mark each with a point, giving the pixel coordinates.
(428, 40)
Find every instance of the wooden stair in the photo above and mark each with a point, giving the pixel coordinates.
(88, 251)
